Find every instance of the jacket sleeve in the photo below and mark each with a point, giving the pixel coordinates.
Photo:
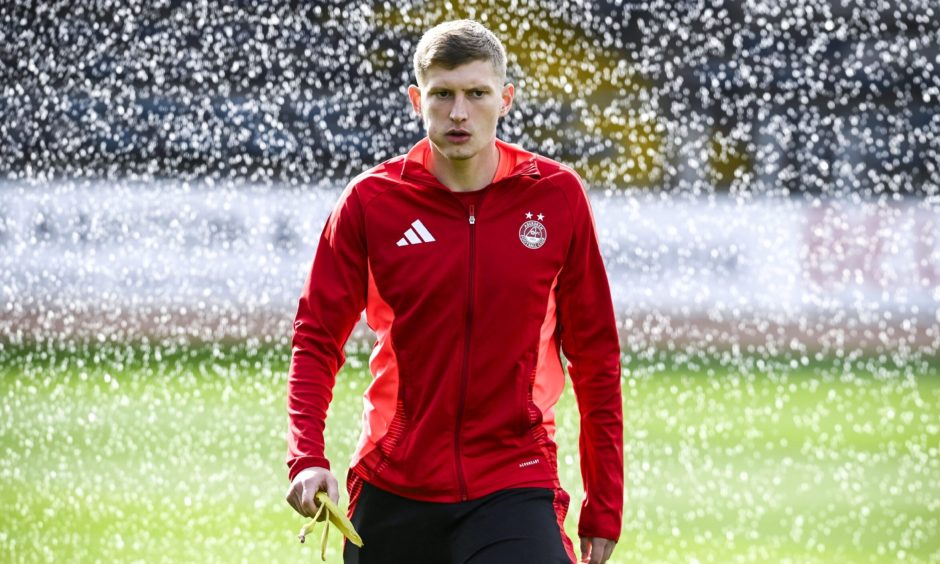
(331, 303)
(591, 344)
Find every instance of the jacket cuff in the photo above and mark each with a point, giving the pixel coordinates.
(588, 528)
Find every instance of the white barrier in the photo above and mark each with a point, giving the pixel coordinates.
(792, 256)
(202, 251)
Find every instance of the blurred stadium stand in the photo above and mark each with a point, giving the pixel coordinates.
(823, 97)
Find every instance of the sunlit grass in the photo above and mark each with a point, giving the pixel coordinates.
(155, 453)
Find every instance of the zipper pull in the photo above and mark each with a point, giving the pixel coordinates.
(473, 218)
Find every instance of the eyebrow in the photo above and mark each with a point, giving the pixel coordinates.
(437, 88)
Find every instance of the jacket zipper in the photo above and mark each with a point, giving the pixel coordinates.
(465, 375)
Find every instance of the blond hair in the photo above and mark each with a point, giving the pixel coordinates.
(458, 42)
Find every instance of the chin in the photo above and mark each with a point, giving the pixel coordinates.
(460, 153)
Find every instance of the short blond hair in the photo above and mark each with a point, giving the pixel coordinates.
(458, 42)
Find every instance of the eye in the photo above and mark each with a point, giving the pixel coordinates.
(478, 93)
(442, 94)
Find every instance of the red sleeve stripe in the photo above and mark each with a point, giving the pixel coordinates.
(549, 375)
(383, 410)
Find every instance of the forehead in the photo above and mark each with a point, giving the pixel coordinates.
(474, 73)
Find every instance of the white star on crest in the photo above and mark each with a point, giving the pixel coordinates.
(541, 217)
(528, 215)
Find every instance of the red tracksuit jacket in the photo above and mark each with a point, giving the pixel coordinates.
(471, 297)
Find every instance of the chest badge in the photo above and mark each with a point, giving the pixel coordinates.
(533, 233)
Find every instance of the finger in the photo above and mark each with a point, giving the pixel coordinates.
(332, 489)
(289, 496)
(597, 550)
(307, 501)
(293, 498)
(585, 549)
(609, 550)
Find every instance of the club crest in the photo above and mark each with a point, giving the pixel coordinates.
(533, 234)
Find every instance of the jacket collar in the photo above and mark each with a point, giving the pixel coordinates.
(514, 161)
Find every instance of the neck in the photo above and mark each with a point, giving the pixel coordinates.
(466, 175)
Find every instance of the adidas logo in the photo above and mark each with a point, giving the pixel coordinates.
(416, 235)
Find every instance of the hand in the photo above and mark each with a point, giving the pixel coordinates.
(306, 484)
(596, 550)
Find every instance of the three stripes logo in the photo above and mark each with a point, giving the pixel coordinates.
(416, 235)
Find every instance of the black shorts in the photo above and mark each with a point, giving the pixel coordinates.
(509, 526)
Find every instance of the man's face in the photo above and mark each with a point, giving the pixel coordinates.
(461, 107)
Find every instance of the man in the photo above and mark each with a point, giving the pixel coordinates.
(476, 263)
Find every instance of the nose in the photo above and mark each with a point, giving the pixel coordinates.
(458, 112)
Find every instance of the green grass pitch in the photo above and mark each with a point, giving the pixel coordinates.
(161, 453)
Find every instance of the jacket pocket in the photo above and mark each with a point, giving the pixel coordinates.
(524, 379)
(397, 435)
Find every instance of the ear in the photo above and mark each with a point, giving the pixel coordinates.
(509, 92)
(414, 93)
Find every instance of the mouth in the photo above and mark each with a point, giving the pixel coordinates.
(457, 135)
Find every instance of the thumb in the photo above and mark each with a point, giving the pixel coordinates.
(332, 489)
